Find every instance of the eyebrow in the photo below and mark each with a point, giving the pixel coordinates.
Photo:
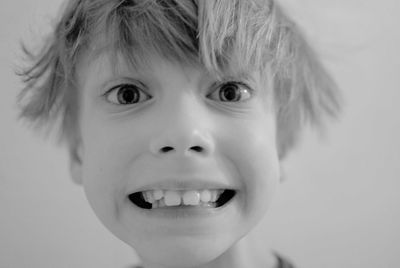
(242, 76)
(119, 81)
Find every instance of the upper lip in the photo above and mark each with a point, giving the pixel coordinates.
(185, 183)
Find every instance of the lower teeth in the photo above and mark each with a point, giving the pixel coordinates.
(161, 204)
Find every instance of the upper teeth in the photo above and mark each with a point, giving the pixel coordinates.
(160, 198)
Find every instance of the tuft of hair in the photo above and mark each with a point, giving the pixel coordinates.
(224, 36)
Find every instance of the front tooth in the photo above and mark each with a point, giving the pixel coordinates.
(154, 204)
(172, 198)
(148, 197)
(214, 195)
(161, 203)
(191, 198)
(158, 194)
(205, 196)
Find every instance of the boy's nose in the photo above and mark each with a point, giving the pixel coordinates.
(186, 143)
(184, 130)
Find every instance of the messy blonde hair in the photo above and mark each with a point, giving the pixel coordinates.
(214, 33)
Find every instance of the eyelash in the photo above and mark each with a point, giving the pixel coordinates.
(238, 87)
(140, 96)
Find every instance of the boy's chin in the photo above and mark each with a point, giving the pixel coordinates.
(184, 252)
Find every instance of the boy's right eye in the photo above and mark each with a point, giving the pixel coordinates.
(126, 94)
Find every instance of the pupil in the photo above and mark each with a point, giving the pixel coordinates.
(230, 93)
(128, 95)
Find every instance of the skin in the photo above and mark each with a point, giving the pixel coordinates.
(179, 107)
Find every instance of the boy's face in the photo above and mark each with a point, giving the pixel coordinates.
(174, 127)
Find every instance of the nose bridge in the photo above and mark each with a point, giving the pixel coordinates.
(185, 129)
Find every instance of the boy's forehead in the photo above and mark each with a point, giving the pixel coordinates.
(114, 64)
(101, 60)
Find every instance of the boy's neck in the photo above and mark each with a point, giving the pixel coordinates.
(245, 253)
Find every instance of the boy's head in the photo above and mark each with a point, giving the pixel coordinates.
(185, 104)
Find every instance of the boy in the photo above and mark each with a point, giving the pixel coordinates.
(177, 115)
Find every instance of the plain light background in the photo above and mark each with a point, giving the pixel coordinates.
(340, 205)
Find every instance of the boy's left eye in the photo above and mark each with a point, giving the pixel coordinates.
(126, 94)
(231, 92)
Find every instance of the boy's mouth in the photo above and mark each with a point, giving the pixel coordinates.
(207, 198)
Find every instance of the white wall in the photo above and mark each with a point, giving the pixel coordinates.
(340, 206)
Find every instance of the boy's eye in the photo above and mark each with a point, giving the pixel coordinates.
(126, 94)
(231, 92)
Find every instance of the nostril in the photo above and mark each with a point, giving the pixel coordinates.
(166, 149)
(198, 149)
